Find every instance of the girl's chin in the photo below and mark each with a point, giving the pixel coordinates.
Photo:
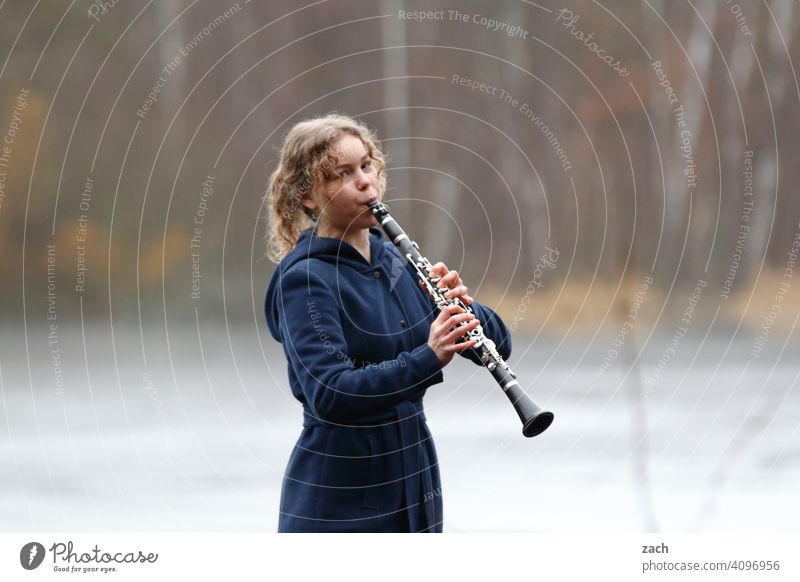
(364, 224)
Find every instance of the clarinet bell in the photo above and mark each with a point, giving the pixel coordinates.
(534, 419)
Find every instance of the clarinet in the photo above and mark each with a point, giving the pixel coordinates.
(534, 419)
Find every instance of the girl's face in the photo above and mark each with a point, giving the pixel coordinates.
(342, 205)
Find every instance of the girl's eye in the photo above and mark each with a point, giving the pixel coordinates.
(344, 173)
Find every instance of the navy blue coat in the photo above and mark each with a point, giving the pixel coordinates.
(355, 337)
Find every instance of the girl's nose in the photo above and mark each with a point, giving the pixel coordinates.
(362, 181)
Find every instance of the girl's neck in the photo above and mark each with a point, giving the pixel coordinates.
(358, 239)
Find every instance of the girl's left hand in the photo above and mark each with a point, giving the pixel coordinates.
(451, 280)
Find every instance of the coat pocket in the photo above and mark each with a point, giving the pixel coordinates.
(375, 475)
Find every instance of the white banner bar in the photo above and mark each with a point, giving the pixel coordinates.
(353, 557)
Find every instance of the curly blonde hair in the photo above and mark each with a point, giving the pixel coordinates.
(306, 162)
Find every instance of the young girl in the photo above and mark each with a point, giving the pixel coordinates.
(362, 341)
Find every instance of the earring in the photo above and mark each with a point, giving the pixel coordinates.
(310, 214)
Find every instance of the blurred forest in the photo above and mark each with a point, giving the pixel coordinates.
(626, 175)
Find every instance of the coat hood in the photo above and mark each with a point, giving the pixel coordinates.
(330, 250)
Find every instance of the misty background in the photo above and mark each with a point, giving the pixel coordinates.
(618, 179)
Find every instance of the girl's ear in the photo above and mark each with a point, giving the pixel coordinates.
(309, 207)
(308, 202)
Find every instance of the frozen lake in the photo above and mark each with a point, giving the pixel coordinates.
(190, 430)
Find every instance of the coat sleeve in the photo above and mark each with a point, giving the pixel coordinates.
(494, 328)
(314, 341)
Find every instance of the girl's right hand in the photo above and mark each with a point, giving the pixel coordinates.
(444, 334)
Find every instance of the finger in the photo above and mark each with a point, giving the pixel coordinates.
(467, 299)
(458, 319)
(453, 308)
(439, 269)
(459, 331)
(470, 324)
(450, 279)
(460, 347)
(447, 312)
(458, 291)
(466, 345)
(449, 318)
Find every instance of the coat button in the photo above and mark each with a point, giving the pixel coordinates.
(376, 274)
(403, 323)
